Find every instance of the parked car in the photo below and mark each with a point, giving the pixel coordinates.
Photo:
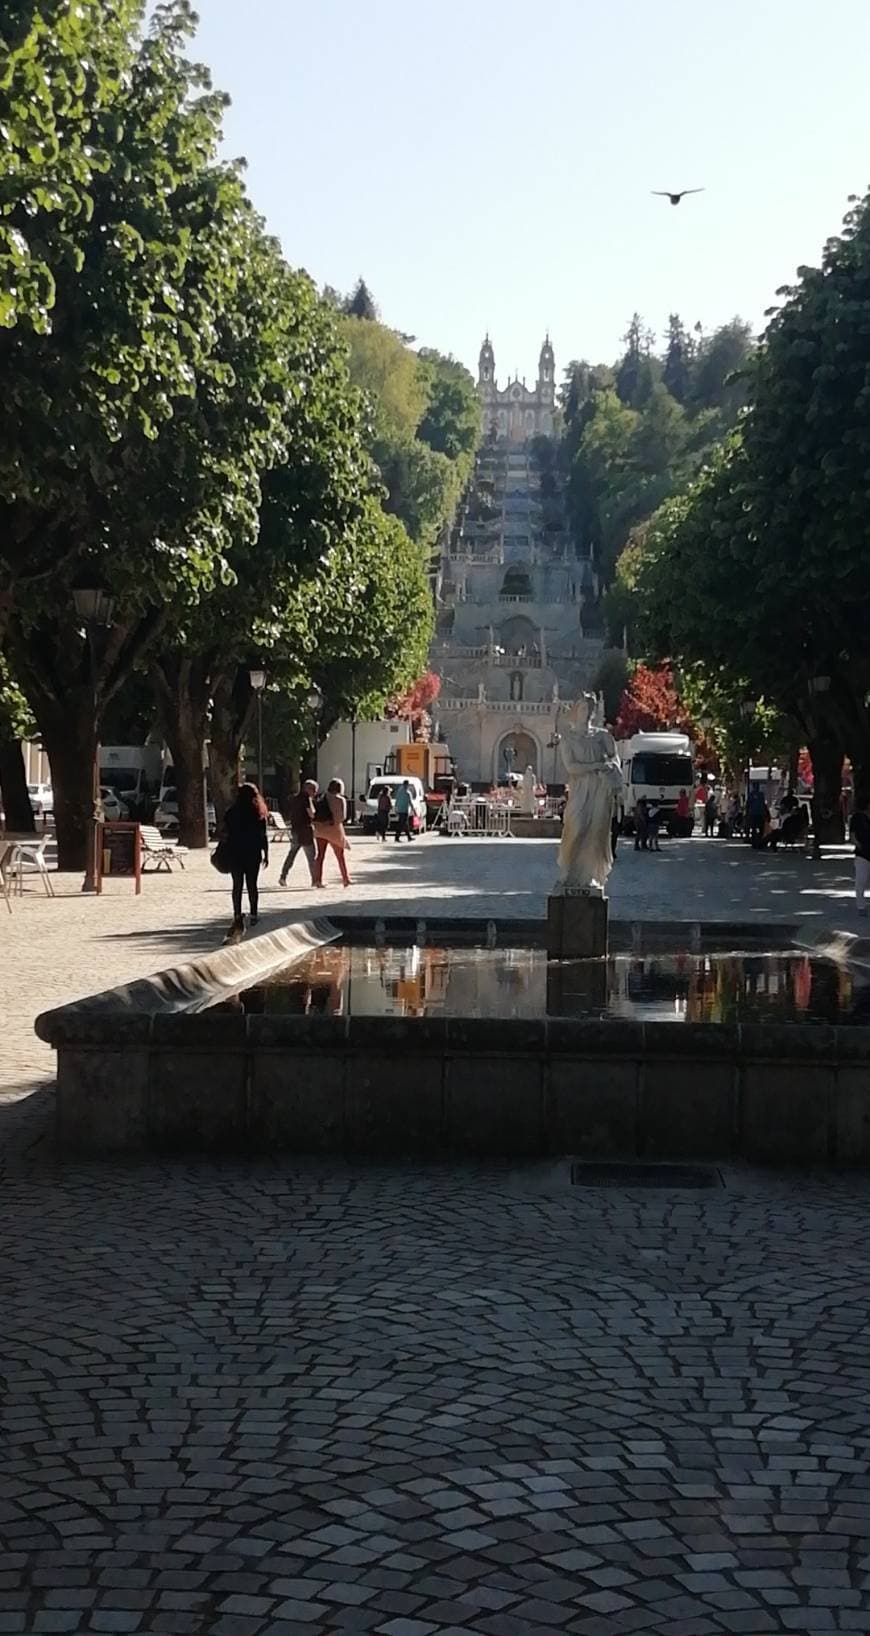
(166, 815)
(114, 808)
(41, 800)
(391, 782)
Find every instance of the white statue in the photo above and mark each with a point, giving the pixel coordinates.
(529, 797)
(594, 782)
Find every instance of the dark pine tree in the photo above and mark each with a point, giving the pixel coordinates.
(678, 359)
(361, 304)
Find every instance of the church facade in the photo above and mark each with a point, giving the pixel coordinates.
(518, 633)
(517, 411)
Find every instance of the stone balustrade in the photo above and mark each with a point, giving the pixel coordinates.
(516, 707)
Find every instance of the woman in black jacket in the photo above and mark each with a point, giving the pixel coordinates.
(247, 846)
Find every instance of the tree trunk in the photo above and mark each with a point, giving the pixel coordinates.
(827, 759)
(70, 739)
(183, 686)
(231, 713)
(285, 784)
(13, 787)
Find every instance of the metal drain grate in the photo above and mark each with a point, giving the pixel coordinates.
(640, 1175)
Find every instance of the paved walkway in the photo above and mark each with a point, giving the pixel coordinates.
(264, 1399)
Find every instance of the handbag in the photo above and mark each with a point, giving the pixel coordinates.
(220, 859)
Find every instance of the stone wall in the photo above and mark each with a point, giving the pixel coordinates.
(786, 1094)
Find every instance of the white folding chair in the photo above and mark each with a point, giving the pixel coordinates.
(29, 856)
(5, 887)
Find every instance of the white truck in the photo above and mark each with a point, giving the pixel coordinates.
(134, 772)
(658, 766)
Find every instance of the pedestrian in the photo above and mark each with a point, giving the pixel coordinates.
(330, 812)
(615, 827)
(641, 825)
(404, 811)
(859, 830)
(301, 831)
(247, 847)
(653, 827)
(711, 813)
(756, 807)
(683, 811)
(382, 819)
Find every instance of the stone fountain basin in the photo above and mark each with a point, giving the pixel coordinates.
(169, 1064)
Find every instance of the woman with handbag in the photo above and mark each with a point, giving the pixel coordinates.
(245, 846)
(330, 811)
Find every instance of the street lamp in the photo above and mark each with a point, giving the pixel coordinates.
(315, 705)
(95, 607)
(257, 679)
(553, 743)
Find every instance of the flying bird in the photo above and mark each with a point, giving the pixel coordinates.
(675, 197)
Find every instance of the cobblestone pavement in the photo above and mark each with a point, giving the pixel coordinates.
(264, 1399)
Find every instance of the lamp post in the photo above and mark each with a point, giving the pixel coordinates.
(257, 679)
(315, 705)
(553, 743)
(95, 607)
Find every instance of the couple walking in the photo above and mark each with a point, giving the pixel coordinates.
(317, 823)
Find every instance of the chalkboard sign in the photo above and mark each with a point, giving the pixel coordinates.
(121, 852)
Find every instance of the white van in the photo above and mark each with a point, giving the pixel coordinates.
(391, 782)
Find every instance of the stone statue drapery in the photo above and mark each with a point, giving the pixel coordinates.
(594, 782)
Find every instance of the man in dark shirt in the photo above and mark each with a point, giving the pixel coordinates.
(301, 817)
(859, 830)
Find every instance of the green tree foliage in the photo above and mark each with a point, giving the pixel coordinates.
(60, 67)
(425, 425)
(360, 303)
(632, 439)
(133, 435)
(314, 501)
(16, 723)
(451, 419)
(677, 362)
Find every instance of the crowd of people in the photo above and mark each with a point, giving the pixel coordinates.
(318, 821)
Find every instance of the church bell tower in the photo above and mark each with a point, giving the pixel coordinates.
(546, 386)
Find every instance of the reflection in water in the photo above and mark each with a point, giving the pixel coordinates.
(410, 981)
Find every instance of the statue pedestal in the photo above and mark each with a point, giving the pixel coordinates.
(576, 928)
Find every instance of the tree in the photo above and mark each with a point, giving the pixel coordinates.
(677, 366)
(313, 497)
(424, 426)
(451, 419)
(650, 703)
(638, 370)
(415, 705)
(62, 65)
(717, 360)
(611, 679)
(133, 435)
(16, 723)
(360, 303)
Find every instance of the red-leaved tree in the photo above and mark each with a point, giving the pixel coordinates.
(650, 704)
(415, 705)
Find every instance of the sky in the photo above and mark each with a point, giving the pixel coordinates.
(487, 164)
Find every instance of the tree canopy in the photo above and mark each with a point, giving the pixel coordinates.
(636, 433)
(179, 420)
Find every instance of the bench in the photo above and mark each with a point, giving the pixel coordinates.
(279, 829)
(159, 852)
